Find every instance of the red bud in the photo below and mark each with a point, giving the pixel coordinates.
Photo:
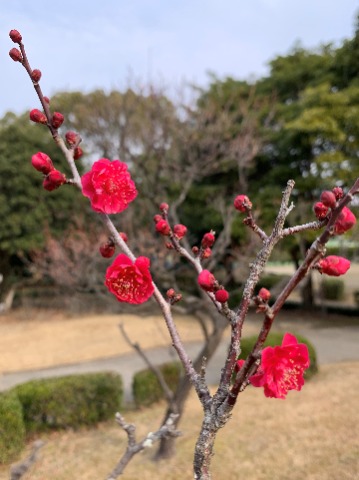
(206, 280)
(221, 295)
(42, 163)
(107, 249)
(57, 119)
(320, 210)
(242, 203)
(328, 199)
(180, 230)
(208, 239)
(163, 227)
(53, 180)
(15, 54)
(36, 75)
(15, 36)
(37, 116)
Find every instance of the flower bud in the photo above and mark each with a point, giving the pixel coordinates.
(15, 54)
(124, 236)
(47, 100)
(157, 218)
(171, 293)
(57, 119)
(264, 294)
(37, 116)
(328, 199)
(15, 36)
(36, 75)
(206, 253)
(71, 138)
(334, 266)
(169, 246)
(53, 180)
(242, 203)
(222, 295)
(42, 163)
(164, 207)
(208, 239)
(107, 249)
(180, 230)
(320, 210)
(195, 249)
(338, 192)
(206, 281)
(346, 220)
(163, 227)
(239, 364)
(78, 152)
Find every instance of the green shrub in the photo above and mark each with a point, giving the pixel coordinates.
(332, 289)
(146, 388)
(268, 281)
(69, 402)
(276, 339)
(12, 428)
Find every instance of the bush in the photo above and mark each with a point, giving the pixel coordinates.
(12, 428)
(276, 339)
(146, 388)
(332, 289)
(69, 402)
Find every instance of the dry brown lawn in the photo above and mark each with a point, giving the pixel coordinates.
(31, 340)
(312, 435)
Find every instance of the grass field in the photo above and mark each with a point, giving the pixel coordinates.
(311, 435)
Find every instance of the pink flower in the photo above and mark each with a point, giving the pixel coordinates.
(346, 220)
(109, 186)
(282, 368)
(334, 266)
(206, 280)
(129, 281)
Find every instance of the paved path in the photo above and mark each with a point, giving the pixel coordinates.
(333, 343)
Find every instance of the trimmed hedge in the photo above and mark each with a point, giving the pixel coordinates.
(275, 338)
(69, 402)
(332, 289)
(146, 388)
(12, 428)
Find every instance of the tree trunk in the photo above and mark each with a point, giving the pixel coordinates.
(167, 445)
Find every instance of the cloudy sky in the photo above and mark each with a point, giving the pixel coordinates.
(79, 44)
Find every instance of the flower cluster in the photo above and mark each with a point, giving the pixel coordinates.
(282, 368)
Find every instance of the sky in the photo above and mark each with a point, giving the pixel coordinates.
(84, 45)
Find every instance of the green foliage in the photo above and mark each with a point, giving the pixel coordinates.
(12, 428)
(146, 387)
(332, 289)
(275, 338)
(69, 402)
